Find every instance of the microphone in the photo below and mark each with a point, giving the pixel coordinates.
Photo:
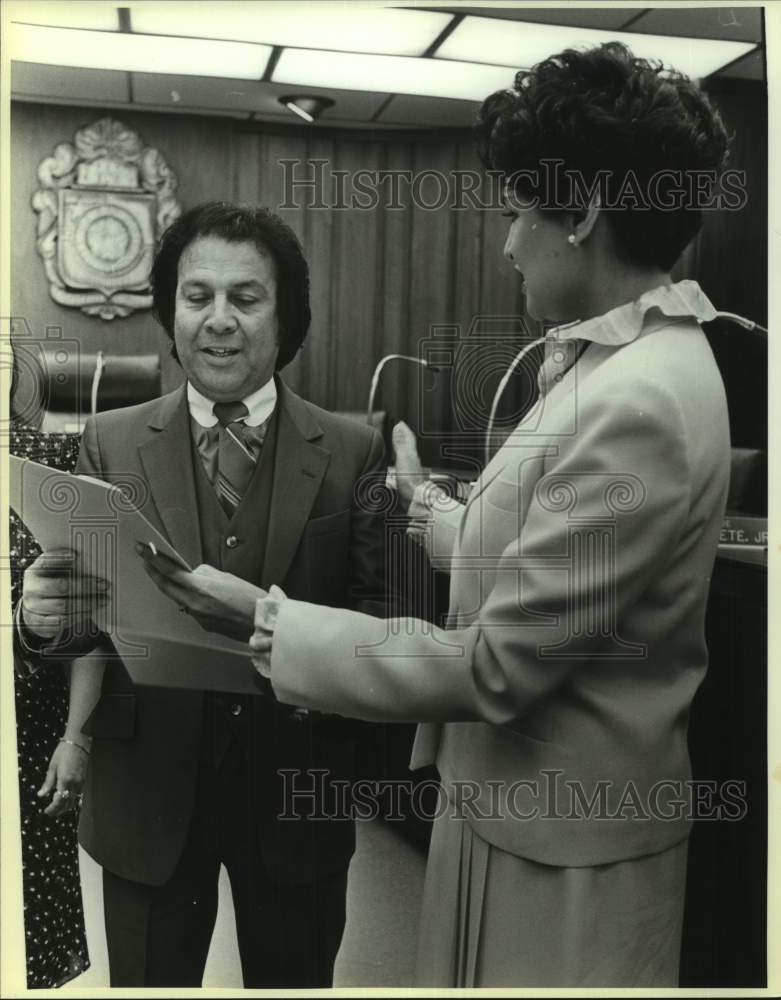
(500, 391)
(378, 370)
(747, 324)
(100, 364)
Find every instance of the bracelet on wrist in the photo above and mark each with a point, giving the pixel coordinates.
(73, 743)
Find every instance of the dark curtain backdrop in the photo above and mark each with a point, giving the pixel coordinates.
(413, 280)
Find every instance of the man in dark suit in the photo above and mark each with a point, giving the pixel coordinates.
(244, 476)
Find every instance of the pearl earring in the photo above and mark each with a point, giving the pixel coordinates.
(571, 239)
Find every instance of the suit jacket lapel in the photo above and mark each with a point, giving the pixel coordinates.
(167, 461)
(299, 469)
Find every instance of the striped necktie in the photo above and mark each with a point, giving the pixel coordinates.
(235, 461)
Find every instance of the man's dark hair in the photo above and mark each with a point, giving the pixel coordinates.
(238, 224)
(603, 109)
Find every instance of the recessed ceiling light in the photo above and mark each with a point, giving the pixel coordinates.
(342, 27)
(390, 74)
(137, 53)
(307, 107)
(522, 44)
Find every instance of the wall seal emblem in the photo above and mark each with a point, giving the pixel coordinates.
(104, 201)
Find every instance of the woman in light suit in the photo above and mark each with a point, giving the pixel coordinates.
(555, 703)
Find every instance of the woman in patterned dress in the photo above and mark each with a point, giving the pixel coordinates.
(52, 752)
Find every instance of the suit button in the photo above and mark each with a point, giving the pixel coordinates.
(231, 541)
(235, 709)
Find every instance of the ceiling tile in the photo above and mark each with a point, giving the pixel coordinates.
(740, 24)
(66, 82)
(406, 109)
(247, 95)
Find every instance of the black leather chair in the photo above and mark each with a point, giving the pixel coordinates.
(74, 386)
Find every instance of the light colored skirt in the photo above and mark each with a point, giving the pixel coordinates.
(490, 918)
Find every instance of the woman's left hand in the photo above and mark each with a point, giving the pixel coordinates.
(64, 779)
(219, 602)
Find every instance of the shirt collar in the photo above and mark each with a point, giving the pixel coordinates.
(260, 404)
(625, 323)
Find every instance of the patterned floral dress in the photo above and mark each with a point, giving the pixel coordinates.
(55, 940)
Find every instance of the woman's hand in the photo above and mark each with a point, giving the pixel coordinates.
(420, 512)
(411, 484)
(266, 611)
(409, 471)
(64, 778)
(219, 602)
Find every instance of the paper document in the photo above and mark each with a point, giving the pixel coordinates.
(158, 643)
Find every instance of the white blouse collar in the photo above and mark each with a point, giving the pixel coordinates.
(682, 300)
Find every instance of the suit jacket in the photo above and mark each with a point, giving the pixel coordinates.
(323, 546)
(560, 693)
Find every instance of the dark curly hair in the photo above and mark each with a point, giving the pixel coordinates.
(238, 224)
(604, 110)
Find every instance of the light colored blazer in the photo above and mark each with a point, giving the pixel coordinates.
(557, 700)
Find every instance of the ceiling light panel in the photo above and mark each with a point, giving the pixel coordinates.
(488, 40)
(323, 26)
(98, 16)
(390, 74)
(140, 53)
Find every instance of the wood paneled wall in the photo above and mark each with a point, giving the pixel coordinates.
(381, 278)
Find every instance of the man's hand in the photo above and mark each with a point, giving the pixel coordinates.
(58, 595)
(64, 779)
(219, 602)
